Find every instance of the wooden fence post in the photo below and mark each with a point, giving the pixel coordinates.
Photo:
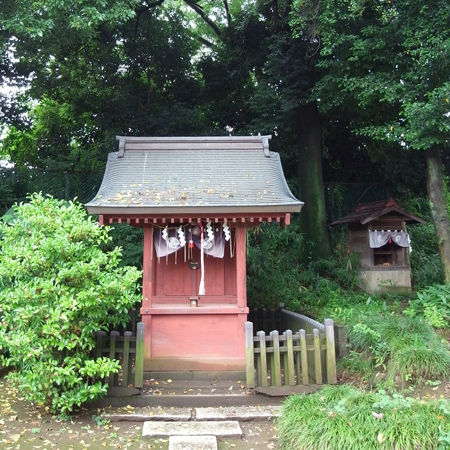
(281, 323)
(112, 355)
(304, 357)
(139, 365)
(317, 357)
(99, 344)
(297, 359)
(331, 355)
(289, 370)
(134, 314)
(275, 364)
(262, 360)
(126, 358)
(249, 356)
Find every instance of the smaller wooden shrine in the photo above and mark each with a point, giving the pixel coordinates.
(194, 197)
(377, 233)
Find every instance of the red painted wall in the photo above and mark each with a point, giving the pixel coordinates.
(209, 337)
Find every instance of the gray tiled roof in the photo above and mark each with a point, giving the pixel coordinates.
(180, 175)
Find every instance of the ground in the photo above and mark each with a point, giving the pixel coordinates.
(23, 426)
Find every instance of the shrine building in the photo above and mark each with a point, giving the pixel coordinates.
(377, 232)
(194, 197)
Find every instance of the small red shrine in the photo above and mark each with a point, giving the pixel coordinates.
(194, 197)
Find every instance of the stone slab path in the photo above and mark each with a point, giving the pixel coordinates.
(225, 428)
(240, 413)
(192, 443)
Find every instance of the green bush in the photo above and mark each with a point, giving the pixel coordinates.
(425, 261)
(346, 418)
(402, 346)
(433, 304)
(57, 288)
(272, 264)
(277, 273)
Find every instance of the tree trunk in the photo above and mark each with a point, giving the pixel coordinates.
(313, 216)
(438, 206)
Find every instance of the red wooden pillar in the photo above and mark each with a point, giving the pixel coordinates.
(147, 290)
(241, 269)
(147, 272)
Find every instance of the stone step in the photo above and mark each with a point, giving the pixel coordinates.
(186, 401)
(170, 386)
(227, 428)
(171, 414)
(241, 413)
(192, 443)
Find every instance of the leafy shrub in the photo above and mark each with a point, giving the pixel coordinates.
(272, 264)
(276, 272)
(344, 417)
(130, 239)
(425, 261)
(403, 346)
(433, 303)
(57, 288)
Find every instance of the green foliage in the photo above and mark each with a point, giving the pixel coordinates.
(344, 417)
(425, 262)
(131, 240)
(400, 92)
(272, 264)
(402, 346)
(58, 287)
(432, 303)
(277, 271)
(385, 340)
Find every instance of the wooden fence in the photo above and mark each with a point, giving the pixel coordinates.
(128, 348)
(290, 358)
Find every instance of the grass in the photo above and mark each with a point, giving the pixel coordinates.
(386, 340)
(347, 418)
(405, 347)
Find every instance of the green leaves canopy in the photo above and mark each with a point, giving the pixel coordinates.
(388, 62)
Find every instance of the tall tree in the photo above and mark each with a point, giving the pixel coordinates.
(110, 58)
(270, 73)
(387, 63)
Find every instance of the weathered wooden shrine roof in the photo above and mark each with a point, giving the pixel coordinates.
(192, 175)
(368, 212)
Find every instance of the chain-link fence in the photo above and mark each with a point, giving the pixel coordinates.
(15, 184)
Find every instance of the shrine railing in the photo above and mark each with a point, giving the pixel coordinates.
(291, 358)
(128, 348)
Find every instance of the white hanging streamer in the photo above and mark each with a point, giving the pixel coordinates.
(181, 237)
(209, 231)
(201, 288)
(226, 232)
(164, 234)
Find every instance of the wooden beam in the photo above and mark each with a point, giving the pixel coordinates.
(100, 220)
(147, 270)
(241, 276)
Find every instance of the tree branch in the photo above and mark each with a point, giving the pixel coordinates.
(205, 42)
(227, 10)
(154, 4)
(198, 9)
